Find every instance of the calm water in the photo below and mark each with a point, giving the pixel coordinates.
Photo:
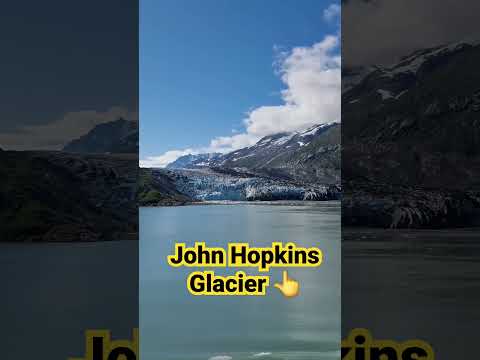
(399, 284)
(177, 325)
(414, 284)
(51, 293)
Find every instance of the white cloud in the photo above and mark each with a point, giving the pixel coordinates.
(165, 159)
(332, 12)
(56, 134)
(312, 76)
(220, 144)
(312, 79)
(224, 144)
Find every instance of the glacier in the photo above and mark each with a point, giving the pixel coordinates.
(208, 185)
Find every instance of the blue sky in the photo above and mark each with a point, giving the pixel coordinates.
(207, 66)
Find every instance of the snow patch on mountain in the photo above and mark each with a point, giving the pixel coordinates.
(314, 129)
(283, 139)
(412, 63)
(194, 161)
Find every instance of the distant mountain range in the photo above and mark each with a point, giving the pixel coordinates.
(198, 161)
(119, 136)
(309, 156)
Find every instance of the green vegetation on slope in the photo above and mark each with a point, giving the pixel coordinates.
(157, 189)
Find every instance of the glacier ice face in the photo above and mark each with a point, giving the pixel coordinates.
(210, 185)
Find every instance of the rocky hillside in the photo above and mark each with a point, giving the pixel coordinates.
(119, 136)
(54, 196)
(411, 141)
(310, 156)
(157, 188)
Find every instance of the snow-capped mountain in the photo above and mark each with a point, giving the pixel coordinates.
(268, 148)
(310, 156)
(424, 58)
(411, 137)
(198, 161)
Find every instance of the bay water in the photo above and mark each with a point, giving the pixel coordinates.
(175, 324)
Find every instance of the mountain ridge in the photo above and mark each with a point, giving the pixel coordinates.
(194, 161)
(117, 136)
(295, 156)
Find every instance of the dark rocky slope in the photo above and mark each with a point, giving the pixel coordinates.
(311, 156)
(411, 141)
(54, 196)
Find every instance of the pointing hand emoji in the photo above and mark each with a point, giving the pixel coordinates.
(289, 287)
